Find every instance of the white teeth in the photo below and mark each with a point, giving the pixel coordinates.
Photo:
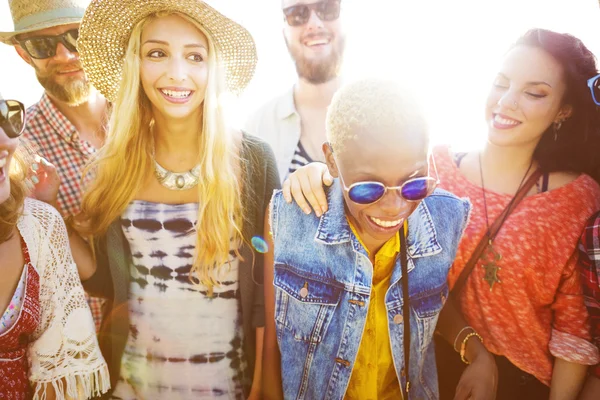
(2, 162)
(386, 224)
(177, 94)
(317, 42)
(504, 121)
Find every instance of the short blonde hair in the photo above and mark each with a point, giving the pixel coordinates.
(371, 105)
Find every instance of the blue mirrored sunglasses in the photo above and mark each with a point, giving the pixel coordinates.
(369, 192)
(594, 85)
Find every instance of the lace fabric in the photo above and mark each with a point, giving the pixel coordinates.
(64, 351)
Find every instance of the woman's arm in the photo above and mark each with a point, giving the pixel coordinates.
(271, 379)
(479, 381)
(591, 389)
(66, 329)
(567, 380)
(255, 393)
(82, 254)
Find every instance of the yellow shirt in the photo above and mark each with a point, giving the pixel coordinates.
(374, 375)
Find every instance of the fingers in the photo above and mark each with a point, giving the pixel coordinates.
(287, 190)
(296, 190)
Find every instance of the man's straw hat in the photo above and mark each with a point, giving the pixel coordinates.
(106, 28)
(33, 15)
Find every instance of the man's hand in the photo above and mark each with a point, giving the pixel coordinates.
(306, 184)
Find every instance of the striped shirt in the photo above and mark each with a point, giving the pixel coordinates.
(300, 158)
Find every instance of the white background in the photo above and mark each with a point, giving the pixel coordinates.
(447, 50)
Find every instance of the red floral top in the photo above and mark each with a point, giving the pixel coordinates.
(537, 311)
(14, 382)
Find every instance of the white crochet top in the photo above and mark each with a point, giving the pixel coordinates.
(64, 350)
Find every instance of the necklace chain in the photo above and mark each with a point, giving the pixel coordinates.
(492, 257)
(487, 221)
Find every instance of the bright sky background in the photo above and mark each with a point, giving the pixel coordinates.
(448, 51)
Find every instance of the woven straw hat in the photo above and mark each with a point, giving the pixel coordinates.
(33, 15)
(106, 28)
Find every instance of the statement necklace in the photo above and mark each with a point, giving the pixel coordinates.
(491, 257)
(175, 180)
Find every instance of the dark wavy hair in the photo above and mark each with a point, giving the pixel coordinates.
(578, 140)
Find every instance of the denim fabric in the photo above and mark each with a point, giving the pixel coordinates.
(323, 283)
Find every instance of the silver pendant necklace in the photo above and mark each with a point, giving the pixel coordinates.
(174, 180)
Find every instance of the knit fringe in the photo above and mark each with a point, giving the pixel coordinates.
(76, 386)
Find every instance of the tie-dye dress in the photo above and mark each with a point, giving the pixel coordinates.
(182, 344)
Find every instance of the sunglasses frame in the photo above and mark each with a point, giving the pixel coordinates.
(590, 83)
(5, 123)
(312, 7)
(436, 181)
(55, 38)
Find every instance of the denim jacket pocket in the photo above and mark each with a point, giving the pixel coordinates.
(304, 304)
(427, 306)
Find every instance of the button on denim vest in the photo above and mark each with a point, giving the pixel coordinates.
(323, 281)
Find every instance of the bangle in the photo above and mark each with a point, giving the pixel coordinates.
(463, 346)
(457, 336)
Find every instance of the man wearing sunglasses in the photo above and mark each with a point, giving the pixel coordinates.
(66, 126)
(294, 123)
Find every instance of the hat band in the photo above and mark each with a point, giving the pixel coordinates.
(48, 16)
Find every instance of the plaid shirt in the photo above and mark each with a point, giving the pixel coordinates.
(589, 266)
(54, 137)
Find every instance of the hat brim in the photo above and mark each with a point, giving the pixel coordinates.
(9, 37)
(107, 25)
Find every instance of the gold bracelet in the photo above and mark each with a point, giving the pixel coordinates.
(457, 336)
(463, 346)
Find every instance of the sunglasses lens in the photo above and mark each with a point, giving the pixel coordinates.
(12, 117)
(366, 193)
(595, 87)
(418, 189)
(297, 15)
(71, 39)
(40, 47)
(329, 10)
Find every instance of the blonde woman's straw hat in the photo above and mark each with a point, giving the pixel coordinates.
(34, 15)
(107, 25)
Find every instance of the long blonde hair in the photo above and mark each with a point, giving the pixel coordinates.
(122, 165)
(12, 208)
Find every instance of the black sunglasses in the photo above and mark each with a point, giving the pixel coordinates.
(327, 10)
(40, 47)
(12, 117)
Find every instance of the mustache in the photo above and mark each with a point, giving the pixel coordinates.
(317, 35)
(57, 69)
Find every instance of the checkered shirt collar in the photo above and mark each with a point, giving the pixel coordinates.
(56, 119)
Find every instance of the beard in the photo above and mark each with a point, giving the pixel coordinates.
(74, 91)
(322, 70)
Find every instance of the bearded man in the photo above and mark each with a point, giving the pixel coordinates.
(67, 126)
(294, 123)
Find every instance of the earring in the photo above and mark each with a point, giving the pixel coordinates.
(556, 127)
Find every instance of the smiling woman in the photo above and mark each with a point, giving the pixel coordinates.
(186, 181)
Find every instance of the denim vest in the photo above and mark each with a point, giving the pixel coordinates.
(323, 281)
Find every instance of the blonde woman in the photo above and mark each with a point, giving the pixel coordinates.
(177, 201)
(48, 347)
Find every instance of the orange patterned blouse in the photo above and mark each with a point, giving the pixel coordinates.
(537, 312)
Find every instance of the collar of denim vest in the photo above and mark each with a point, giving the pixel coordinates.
(334, 229)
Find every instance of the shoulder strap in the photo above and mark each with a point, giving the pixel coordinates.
(494, 231)
(405, 307)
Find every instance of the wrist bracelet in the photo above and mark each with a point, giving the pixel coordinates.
(457, 336)
(463, 346)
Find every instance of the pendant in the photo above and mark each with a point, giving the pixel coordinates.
(490, 264)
